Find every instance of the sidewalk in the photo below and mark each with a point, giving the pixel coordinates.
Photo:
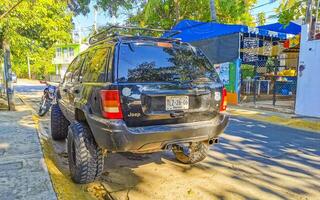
(23, 173)
(281, 106)
(280, 118)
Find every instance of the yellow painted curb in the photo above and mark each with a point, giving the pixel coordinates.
(289, 122)
(64, 187)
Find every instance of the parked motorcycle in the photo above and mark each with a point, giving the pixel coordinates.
(48, 98)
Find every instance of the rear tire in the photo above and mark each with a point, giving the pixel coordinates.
(85, 157)
(59, 124)
(196, 152)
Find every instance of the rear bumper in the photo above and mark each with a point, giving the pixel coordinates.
(114, 135)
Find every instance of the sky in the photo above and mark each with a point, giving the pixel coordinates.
(268, 9)
(86, 22)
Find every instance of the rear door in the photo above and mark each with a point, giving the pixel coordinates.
(94, 72)
(67, 89)
(164, 83)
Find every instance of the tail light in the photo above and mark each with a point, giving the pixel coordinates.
(111, 106)
(223, 105)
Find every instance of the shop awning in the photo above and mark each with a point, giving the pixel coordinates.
(192, 31)
(291, 28)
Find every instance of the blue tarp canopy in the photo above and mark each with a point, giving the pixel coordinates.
(192, 31)
(221, 42)
(291, 28)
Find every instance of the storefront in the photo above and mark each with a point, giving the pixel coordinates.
(247, 59)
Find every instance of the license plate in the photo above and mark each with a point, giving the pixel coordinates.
(177, 102)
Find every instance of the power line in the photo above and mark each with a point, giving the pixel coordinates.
(270, 11)
(276, 15)
(259, 6)
(269, 17)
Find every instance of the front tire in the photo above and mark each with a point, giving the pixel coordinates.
(85, 157)
(196, 152)
(44, 108)
(59, 124)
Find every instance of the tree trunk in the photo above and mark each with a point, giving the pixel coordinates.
(8, 74)
(213, 11)
(309, 12)
(177, 10)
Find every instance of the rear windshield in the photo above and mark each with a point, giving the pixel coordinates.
(166, 62)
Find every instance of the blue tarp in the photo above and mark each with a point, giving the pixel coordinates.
(291, 28)
(192, 31)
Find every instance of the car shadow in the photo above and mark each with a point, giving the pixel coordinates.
(271, 155)
(254, 160)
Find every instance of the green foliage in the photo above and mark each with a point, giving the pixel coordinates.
(166, 13)
(261, 18)
(112, 7)
(291, 10)
(32, 29)
(235, 11)
(247, 71)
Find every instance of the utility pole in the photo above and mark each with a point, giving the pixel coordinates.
(95, 20)
(80, 35)
(213, 11)
(29, 71)
(7, 62)
(114, 20)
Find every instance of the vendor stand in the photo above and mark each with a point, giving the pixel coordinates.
(229, 47)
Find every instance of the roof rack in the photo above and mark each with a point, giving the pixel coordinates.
(111, 32)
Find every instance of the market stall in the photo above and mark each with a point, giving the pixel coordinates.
(233, 48)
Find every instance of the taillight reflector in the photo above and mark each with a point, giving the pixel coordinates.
(223, 105)
(111, 106)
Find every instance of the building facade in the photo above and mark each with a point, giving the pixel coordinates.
(308, 88)
(64, 55)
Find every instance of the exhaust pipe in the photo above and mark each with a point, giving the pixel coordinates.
(213, 141)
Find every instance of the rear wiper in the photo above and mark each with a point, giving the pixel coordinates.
(131, 46)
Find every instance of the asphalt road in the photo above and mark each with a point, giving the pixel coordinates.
(25, 86)
(254, 160)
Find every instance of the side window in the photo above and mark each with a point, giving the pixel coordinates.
(94, 67)
(77, 69)
(71, 68)
(86, 64)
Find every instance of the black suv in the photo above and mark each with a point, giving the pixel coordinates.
(137, 94)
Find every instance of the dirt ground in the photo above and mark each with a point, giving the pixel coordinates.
(254, 160)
